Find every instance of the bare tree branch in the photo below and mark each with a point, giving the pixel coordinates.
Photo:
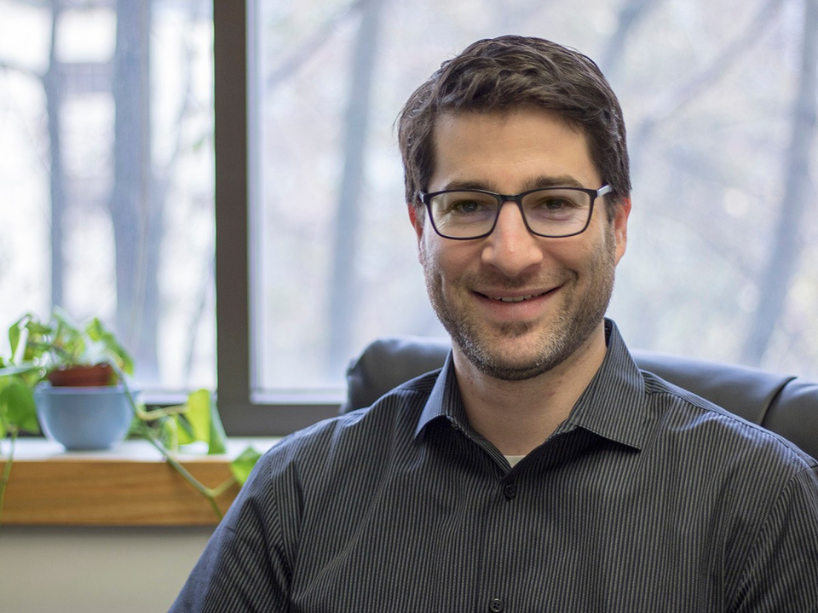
(292, 63)
(24, 70)
(671, 101)
(629, 15)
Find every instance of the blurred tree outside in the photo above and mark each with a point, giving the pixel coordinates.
(99, 113)
(709, 93)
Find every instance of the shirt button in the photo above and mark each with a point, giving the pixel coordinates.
(496, 605)
(510, 490)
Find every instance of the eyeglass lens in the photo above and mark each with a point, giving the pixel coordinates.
(551, 212)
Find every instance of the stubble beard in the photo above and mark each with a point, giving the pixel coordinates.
(577, 319)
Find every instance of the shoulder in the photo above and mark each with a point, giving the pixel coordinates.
(760, 489)
(717, 434)
(365, 435)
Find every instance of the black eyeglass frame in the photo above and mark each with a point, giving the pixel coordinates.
(426, 200)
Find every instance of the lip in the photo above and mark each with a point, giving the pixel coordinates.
(514, 297)
(516, 305)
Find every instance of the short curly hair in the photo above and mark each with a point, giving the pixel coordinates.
(509, 73)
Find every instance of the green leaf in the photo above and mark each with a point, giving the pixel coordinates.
(97, 332)
(198, 414)
(18, 332)
(64, 323)
(135, 429)
(17, 406)
(37, 328)
(169, 433)
(244, 463)
(218, 438)
(203, 417)
(14, 338)
(184, 431)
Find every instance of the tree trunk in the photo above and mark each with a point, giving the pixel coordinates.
(344, 284)
(53, 86)
(783, 260)
(134, 212)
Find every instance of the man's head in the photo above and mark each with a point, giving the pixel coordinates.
(507, 117)
(510, 73)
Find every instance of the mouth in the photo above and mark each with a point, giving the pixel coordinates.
(512, 299)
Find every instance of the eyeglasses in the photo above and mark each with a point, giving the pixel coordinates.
(552, 212)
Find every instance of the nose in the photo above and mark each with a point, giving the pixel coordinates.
(511, 248)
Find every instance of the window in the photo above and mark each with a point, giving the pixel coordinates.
(719, 100)
(106, 175)
(722, 236)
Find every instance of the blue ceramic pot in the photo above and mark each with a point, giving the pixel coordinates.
(83, 417)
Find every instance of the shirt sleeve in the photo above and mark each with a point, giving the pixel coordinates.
(781, 574)
(245, 564)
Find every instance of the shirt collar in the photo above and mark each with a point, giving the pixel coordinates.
(613, 405)
(444, 400)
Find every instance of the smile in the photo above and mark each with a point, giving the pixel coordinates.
(518, 298)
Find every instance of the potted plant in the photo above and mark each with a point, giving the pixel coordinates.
(71, 376)
(56, 360)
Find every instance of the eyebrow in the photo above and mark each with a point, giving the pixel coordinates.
(533, 183)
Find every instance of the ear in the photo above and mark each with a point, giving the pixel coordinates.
(620, 226)
(417, 217)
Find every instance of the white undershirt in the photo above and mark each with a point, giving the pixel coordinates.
(513, 459)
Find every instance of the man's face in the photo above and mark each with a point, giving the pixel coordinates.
(515, 304)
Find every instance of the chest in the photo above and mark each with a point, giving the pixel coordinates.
(586, 535)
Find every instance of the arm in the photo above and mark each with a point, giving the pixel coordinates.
(244, 566)
(781, 573)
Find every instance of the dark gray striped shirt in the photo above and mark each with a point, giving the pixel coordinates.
(647, 498)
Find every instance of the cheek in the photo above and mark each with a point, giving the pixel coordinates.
(583, 256)
(445, 260)
(603, 244)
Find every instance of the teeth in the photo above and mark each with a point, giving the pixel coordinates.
(518, 299)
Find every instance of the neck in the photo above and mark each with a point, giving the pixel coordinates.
(517, 416)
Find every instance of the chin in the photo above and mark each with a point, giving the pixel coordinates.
(513, 368)
(509, 355)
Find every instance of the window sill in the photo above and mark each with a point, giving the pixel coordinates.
(129, 485)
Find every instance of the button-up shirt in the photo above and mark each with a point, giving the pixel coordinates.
(647, 498)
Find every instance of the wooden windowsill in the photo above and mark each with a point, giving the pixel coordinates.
(128, 485)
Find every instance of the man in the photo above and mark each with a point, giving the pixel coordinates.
(540, 470)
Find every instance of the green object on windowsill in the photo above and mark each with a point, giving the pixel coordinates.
(48, 354)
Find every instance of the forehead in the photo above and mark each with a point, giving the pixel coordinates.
(508, 150)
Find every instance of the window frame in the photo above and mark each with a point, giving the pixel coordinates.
(242, 413)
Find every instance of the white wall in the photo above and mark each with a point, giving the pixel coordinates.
(95, 570)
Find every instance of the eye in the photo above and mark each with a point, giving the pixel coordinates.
(465, 204)
(556, 206)
(553, 203)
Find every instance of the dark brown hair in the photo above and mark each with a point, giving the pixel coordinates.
(509, 73)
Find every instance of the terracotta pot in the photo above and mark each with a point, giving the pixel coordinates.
(82, 376)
